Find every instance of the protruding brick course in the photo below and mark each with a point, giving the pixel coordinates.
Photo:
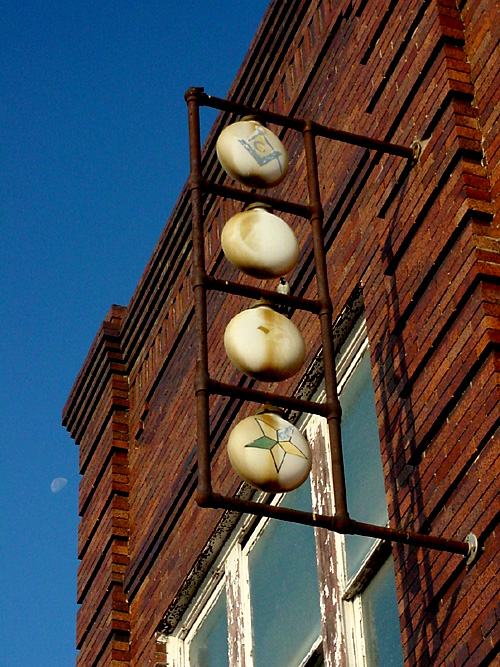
(96, 415)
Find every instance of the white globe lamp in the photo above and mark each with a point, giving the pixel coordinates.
(260, 243)
(269, 452)
(253, 155)
(264, 344)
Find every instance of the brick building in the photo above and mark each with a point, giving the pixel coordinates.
(413, 262)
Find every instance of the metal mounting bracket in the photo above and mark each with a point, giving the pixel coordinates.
(205, 386)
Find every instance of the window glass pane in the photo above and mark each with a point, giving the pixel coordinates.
(363, 467)
(209, 645)
(381, 620)
(284, 589)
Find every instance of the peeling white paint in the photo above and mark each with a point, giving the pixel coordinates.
(329, 567)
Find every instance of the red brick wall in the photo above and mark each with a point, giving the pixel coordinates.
(423, 244)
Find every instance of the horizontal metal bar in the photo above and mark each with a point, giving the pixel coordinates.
(218, 501)
(363, 141)
(258, 396)
(406, 537)
(335, 523)
(299, 123)
(246, 110)
(250, 197)
(251, 292)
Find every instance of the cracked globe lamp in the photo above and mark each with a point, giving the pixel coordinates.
(268, 452)
(251, 154)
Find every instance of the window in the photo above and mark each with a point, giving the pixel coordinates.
(365, 572)
(208, 640)
(260, 603)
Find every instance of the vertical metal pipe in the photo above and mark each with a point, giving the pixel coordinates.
(325, 317)
(200, 299)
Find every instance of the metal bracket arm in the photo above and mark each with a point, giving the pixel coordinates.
(340, 522)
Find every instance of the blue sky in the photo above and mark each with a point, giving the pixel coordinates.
(93, 156)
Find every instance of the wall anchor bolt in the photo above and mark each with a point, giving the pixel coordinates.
(417, 147)
(473, 545)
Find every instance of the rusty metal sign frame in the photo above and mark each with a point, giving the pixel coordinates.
(205, 386)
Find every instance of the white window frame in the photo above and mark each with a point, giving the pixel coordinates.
(377, 556)
(230, 571)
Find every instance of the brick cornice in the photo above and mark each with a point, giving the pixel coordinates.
(103, 363)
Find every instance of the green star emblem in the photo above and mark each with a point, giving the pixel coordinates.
(277, 441)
